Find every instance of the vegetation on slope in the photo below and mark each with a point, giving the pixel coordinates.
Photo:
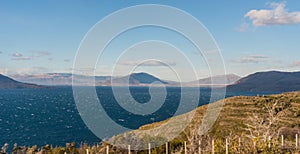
(256, 120)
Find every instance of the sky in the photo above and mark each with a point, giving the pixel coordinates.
(39, 37)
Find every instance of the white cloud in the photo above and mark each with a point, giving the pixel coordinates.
(208, 51)
(4, 71)
(243, 27)
(22, 58)
(251, 59)
(32, 70)
(84, 71)
(40, 53)
(34, 54)
(295, 64)
(24, 71)
(17, 54)
(277, 15)
(148, 63)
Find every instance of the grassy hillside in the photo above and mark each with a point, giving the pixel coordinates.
(237, 111)
(252, 118)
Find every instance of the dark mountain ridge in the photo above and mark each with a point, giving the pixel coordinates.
(141, 78)
(9, 83)
(268, 82)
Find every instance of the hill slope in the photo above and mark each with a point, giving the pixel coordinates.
(9, 83)
(216, 80)
(272, 81)
(237, 110)
(237, 113)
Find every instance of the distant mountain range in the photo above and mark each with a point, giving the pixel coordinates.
(9, 83)
(272, 81)
(136, 79)
(61, 79)
(219, 80)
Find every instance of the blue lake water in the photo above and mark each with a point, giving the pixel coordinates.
(49, 116)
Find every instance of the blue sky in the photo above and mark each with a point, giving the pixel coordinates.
(43, 36)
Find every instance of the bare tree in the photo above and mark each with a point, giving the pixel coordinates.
(192, 135)
(4, 149)
(265, 124)
(262, 127)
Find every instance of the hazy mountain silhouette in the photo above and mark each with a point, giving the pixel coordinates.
(66, 79)
(272, 81)
(218, 80)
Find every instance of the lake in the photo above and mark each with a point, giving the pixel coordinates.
(49, 116)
